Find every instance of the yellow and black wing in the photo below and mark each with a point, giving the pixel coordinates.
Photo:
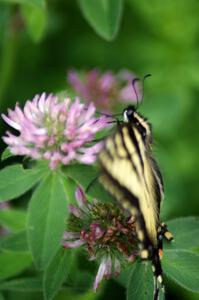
(132, 176)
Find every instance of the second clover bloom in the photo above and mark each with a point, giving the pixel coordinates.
(57, 131)
(104, 89)
(105, 231)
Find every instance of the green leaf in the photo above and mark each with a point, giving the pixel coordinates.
(185, 232)
(70, 294)
(13, 263)
(77, 172)
(1, 297)
(39, 3)
(15, 181)
(140, 283)
(22, 285)
(6, 154)
(35, 18)
(70, 188)
(90, 182)
(124, 276)
(182, 267)
(103, 15)
(46, 219)
(15, 242)
(56, 273)
(13, 219)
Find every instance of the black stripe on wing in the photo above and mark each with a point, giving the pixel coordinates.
(135, 143)
(134, 137)
(117, 149)
(158, 182)
(123, 145)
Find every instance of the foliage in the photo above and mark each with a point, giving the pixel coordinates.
(45, 225)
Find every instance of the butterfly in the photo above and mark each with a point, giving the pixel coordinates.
(131, 174)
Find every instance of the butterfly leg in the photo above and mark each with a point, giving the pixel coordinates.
(156, 260)
(163, 230)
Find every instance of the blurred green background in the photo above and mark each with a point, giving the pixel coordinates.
(38, 44)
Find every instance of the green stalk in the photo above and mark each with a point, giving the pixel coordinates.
(8, 56)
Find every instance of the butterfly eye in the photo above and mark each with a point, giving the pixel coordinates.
(128, 114)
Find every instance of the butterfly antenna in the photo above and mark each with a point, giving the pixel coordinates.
(143, 81)
(135, 90)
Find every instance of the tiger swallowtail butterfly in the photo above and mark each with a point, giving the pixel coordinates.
(131, 174)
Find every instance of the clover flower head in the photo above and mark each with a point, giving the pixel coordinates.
(104, 89)
(57, 131)
(105, 231)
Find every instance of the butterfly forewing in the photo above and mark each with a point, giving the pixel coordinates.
(127, 173)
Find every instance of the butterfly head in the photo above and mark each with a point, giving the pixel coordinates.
(131, 116)
(128, 114)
